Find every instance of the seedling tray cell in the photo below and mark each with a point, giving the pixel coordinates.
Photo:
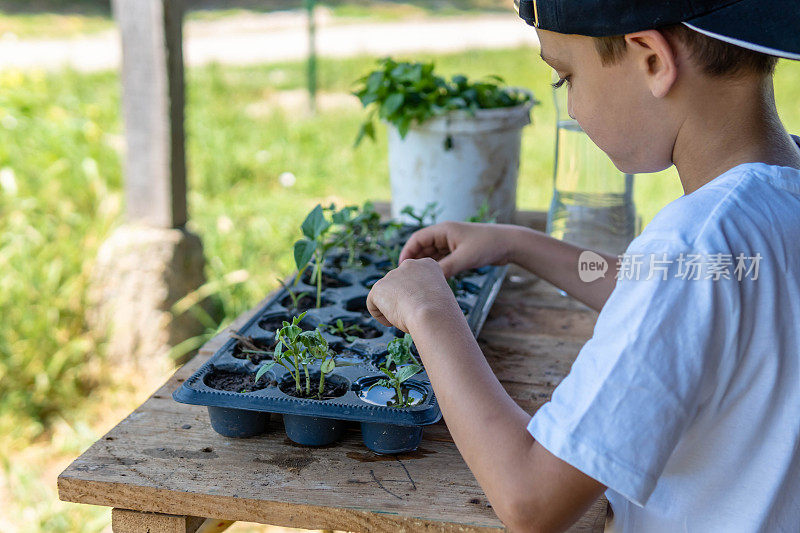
(385, 429)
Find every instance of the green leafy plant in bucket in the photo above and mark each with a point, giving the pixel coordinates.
(402, 93)
(399, 367)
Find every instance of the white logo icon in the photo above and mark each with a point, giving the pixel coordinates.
(591, 266)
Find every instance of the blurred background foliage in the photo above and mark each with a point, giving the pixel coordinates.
(71, 18)
(257, 163)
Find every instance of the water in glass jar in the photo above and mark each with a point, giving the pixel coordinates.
(592, 202)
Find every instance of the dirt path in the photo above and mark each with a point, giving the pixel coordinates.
(275, 37)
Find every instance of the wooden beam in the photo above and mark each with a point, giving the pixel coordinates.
(153, 103)
(125, 521)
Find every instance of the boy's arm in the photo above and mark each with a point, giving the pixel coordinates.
(460, 246)
(529, 488)
(557, 262)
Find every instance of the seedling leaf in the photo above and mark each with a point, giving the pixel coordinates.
(315, 224)
(328, 366)
(303, 252)
(407, 372)
(263, 369)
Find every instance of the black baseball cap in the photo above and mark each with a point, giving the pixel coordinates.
(768, 26)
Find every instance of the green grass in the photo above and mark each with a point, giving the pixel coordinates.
(52, 25)
(60, 196)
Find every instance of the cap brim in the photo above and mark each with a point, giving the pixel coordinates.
(756, 25)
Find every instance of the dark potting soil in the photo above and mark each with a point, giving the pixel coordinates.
(340, 261)
(352, 354)
(241, 347)
(329, 281)
(234, 381)
(367, 331)
(332, 389)
(358, 305)
(274, 323)
(303, 304)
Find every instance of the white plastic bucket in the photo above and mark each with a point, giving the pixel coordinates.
(459, 161)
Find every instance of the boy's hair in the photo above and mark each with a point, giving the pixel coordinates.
(715, 57)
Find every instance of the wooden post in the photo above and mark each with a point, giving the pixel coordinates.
(312, 55)
(153, 102)
(150, 262)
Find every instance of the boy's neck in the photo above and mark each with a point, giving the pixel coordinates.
(727, 125)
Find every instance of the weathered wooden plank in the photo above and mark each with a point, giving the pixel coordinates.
(531, 359)
(126, 521)
(525, 287)
(153, 103)
(532, 305)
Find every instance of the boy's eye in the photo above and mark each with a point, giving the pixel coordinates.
(560, 82)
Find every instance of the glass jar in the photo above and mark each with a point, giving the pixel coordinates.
(592, 203)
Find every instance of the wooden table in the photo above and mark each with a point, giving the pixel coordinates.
(164, 469)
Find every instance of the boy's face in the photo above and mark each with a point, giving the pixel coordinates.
(613, 103)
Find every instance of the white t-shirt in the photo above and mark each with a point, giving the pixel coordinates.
(685, 402)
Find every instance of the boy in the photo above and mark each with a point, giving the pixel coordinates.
(685, 404)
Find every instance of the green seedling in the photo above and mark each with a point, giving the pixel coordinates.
(391, 246)
(430, 211)
(400, 355)
(296, 351)
(313, 245)
(391, 235)
(484, 214)
(369, 229)
(455, 285)
(357, 230)
(400, 352)
(394, 255)
(395, 380)
(294, 296)
(341, 330)
(346, 232)
(321, 353)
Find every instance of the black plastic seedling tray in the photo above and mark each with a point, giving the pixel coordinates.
(384, 429)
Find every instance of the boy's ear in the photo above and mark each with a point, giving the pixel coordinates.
(657, 59)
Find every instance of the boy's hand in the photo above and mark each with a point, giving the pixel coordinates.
(410, 292)
(460, 246)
